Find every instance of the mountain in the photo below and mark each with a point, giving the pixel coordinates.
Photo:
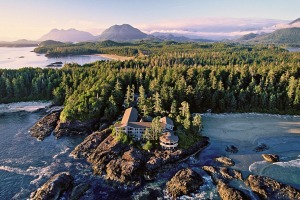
(70, 35)
(178, 38)
(121, 33)
(168, 36)
(297, 21)
(288, 36)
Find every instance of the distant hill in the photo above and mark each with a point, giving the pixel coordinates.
(177, 38)
(122, 33)
(288, 36)
(49, 43)
(248, 37)
(70, 35)
(19, 43)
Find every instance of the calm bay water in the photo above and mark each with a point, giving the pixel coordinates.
(15, 58)
(25, 163)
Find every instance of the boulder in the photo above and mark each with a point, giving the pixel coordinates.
(267, 188)
(45, 126)
(79, 190)
(231, 149)
(222, 173)
(74, 128)
(261, 147)
(271, 157)
(229, 193)
(53, 188)
(225, 161)
(90, 143)
(183, 183)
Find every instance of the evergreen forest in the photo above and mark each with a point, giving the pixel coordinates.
(214, 76)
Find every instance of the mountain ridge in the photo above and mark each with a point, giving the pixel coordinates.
(124, 32)
(69, 35)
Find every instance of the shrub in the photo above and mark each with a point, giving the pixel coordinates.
(148, 146)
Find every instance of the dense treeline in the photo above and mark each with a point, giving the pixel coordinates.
(221, 77)
(52, 49)
(39, 84)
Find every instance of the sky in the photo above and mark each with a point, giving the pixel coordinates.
(30, 19)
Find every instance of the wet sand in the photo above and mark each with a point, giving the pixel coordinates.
(281, 133)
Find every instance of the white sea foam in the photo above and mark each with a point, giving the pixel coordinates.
(14, 170)
(258, 167)
(38, 172)
(68, 165)
(60, 153)
(41, 172)
(291, 163)
(23, 106)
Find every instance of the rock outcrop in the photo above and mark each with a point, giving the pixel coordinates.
(128, 168)
(78, 191)
(225, 161)
(184, 182)
(53, 188)
(231, 149)
(267, 188)
(222, 173)
(162, 158)
(123, 163)
(230, 193)
(261, 147)
(109, 149)
(74, 128)
(270, 157)
(45, 126)
(90, 143)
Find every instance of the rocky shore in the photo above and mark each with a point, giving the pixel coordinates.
(51, 124)
(127, 164)
(45, 126)
(184, 182)
(53, 188)
(123, 164)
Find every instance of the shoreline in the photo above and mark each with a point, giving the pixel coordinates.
(114, 57)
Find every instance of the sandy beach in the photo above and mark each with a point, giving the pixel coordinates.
(115, 57)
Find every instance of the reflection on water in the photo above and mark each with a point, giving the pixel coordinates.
(15, 58)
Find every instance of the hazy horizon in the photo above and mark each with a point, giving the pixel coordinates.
(215, 18)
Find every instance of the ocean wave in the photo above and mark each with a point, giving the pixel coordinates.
(258, 167)
(291, 163)
(23, 106)
(39, 172)
(14, 170)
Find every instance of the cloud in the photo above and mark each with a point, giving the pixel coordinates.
(217, 28)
